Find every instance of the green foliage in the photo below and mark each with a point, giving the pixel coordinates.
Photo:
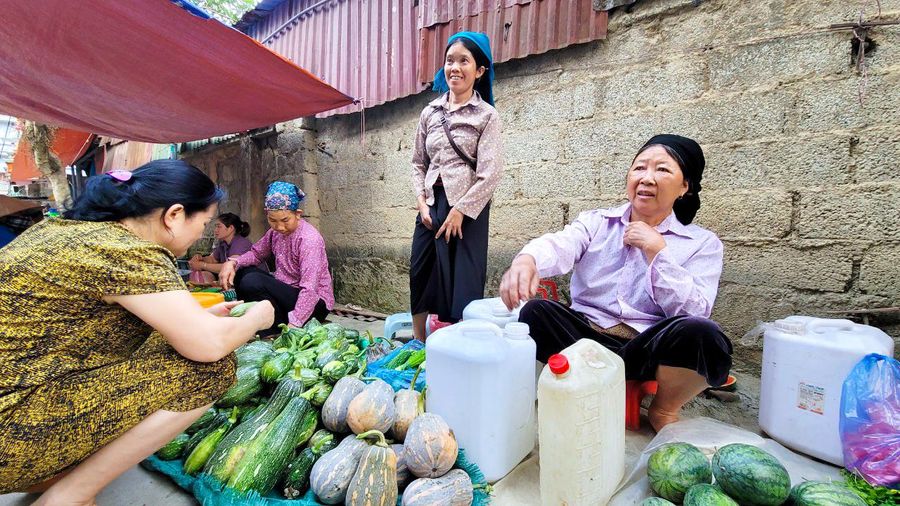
(226, 11)
(873, 495)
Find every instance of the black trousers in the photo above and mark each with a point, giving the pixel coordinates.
(445, 277)
(690, 342)
(252, 283)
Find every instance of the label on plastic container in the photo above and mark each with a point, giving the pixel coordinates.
(811, 398)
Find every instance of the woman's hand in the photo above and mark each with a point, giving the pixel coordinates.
(520, 282)
(425, 215)
(226, 275)
(646, 238)
(263, 313)
(452, 226)
(223, 308)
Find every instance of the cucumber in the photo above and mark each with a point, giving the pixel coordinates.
(240, 309)
(205, 419)
(296, 479)
(174, 448)
(201, 453)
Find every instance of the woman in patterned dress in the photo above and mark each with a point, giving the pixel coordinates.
(104, 354)
(457, 164)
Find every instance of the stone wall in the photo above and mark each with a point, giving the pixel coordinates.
(800, 184)
(801, 181)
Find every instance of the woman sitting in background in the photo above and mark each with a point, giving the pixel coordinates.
(231, 234)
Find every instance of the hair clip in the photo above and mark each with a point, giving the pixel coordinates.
(119, 175)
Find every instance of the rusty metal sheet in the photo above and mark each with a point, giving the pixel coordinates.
(381, 50)
(520, 30)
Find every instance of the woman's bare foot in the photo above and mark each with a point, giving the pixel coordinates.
(659, 418)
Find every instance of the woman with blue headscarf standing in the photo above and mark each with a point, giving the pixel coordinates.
(301, 288)
(457, 165)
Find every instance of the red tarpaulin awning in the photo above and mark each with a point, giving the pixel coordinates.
(68, 145)
(148, 71)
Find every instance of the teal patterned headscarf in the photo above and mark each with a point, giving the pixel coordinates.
(283, 196)
(485, 86)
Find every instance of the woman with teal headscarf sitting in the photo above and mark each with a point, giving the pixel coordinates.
(301, 288)
(457, 165)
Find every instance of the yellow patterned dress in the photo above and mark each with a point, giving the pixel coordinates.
(76, 372)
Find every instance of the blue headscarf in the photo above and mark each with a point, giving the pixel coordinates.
(282, 196)
(485, 85)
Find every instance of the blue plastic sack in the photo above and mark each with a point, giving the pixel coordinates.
(870, 420)
(397, 379)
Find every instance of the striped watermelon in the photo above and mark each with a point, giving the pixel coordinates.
(707, 495)
(674, 468)
(820, 493)
(655, 501)
(750, 475)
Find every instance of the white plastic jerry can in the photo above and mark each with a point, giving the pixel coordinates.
(481, 381)
(581, 424)
(492, 310)
(804, 365)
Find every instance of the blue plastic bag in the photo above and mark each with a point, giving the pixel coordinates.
(870, 420)
(397, 379)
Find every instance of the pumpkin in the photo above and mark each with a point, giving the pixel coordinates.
(406, 408)
(403, 474)
(334, 411)
(375, 480)
(452, 489)
(430, 447)
(372, 409)
(331, 474)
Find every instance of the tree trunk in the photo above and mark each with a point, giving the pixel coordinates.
(40, 137)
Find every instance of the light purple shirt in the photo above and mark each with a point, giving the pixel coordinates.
(612, 283)
(301, 262)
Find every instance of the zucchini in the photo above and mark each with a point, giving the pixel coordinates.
(308, 427)
(335, 370)
(226, 456)
(276, 367)
(220, 419)
(309, 377)
(203, 421)
(296, 479)
(240, 309)
(248, 384)
(318, 394)
(254, 353)
(320, 439)
(268, 454)
(195, 461)
(174, 448)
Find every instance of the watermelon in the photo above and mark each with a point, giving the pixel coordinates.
(674, 468)
(707, 495)
(820, 493)
(655, 501)
(751, 476)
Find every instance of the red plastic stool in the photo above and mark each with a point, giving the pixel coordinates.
(634, 392)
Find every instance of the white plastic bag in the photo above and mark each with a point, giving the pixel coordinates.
(709, 435)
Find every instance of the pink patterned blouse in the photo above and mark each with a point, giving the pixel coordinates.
(301, 262)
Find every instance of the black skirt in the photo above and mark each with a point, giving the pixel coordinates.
(690, 342)
(445, 277)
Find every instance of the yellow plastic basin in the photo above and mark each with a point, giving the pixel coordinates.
(208, 299)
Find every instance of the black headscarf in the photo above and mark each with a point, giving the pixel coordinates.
(690, 158)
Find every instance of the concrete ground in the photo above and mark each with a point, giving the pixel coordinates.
(141, 487)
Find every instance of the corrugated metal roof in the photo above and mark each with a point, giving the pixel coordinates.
(382, 50)
(523, 28)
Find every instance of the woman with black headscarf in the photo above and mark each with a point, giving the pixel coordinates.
(644, 280)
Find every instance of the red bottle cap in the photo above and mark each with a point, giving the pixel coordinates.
(559, 364)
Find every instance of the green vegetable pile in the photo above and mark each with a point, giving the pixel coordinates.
(873, 495)
(264, 431)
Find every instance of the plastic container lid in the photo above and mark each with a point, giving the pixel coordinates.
(516, 330)
(559, 364)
